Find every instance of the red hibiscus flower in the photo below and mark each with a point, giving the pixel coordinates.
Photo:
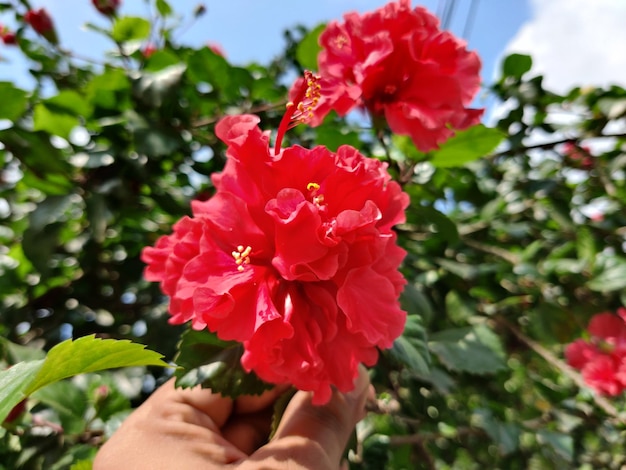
(294, 256)
(8, 37)
(398, 65)
(602, 359)
(107, 7)
(148, 50)
(42, 23)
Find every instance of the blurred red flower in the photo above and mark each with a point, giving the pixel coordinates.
(602, 359)
(294, 256)
(8, 37)
(41, 22)
(398, 65)
(107, 7)
(148, 50)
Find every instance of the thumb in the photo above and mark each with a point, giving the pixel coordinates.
(312, 436)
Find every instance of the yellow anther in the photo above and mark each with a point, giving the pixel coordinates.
(241, 256)
(312, 187)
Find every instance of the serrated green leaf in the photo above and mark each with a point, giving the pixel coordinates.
(14, 101)
(309, 48)
(13, 381)
(91, 354)
(205, 359)
(516, 65)
(467, 146)
(411, 348)
(476, 350)
(129, 28)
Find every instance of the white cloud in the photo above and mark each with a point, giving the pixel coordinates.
(575, 42)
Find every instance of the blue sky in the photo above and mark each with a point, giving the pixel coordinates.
(252, 30)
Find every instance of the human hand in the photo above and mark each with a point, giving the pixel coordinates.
(196, 429)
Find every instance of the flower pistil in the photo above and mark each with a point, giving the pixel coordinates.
(301, 108)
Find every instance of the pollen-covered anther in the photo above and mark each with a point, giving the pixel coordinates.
(317, 199)
(308, 102)
(242, 256)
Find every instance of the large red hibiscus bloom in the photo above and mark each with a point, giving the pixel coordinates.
(397, 64)
(294, 256)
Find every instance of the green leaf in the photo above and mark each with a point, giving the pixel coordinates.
(467, 146)
(561, 444)
(91, 354)
(415, 302)
(55, 123)
(82, 465)
(333, 136)
(504, 435)
(612, 278)
(516, 65)
(476, 350)
(446, 228)
(215, 364)
(15, 353)
(411, 347)
(459, 308)
(68, 401)
(164, 8)
(309, 48)
(154, 88)
(13, 381)
(205, 66)
(71, 102)
(14, 101)
(129, 28)
(160, 60)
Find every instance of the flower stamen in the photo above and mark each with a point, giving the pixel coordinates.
(300, 110)
(242, 256)
(318, 199)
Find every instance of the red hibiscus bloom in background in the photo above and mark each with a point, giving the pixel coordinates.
(41, 22)
(8, 37)
(107, 7)
(294, 256)
(148, 50)
(397, 64)
(602, 360)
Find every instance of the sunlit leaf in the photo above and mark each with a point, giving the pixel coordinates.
(516, 65)
(129, 28)
(466, 146)
(309, 48)
(91, 354)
